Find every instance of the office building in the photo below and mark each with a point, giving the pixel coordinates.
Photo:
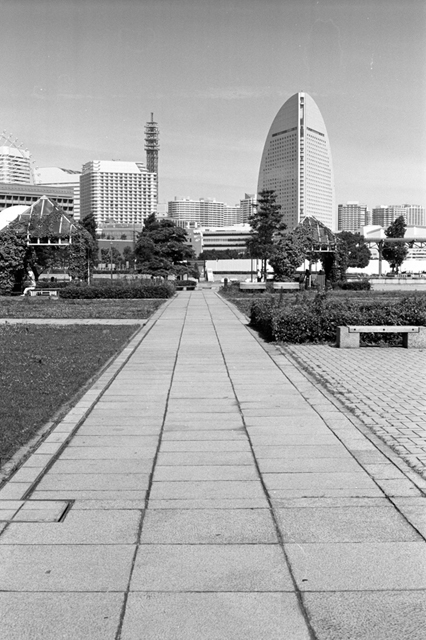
(116, 191)
(27, 194)
(352, 216)
(208, 212)
(414, 214)
(219, 238)
(297, 165)
(58, 177)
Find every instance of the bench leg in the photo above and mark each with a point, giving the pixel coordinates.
(346, 340)
(415, 340)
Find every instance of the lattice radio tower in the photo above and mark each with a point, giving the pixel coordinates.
(152, 147)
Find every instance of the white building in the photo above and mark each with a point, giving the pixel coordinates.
(219, 238)
(15, 165)
(123, 192)
(58, 177)
(352, 216)
(414, 214)
(296, 163)
(208, 212)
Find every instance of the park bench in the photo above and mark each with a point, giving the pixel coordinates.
(53, 293)
(286, 286)
(413, 337)
(185, 286)
(252, 286)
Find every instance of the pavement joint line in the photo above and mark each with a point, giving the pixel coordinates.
(280, 538)
(150, 481)
(114, 370)
(377, 442)
(380, 442)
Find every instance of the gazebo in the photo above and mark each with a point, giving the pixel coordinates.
(45, 224)
(320, 239)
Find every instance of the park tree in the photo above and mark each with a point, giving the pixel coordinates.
(13, 249)
(111, 255)
(266, 224)
(395, 252)
(358, 253)
(89, 224)
(128, 254)
(288, 253)
(162, 247)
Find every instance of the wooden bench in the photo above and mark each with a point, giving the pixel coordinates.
(413, 337)
(252, 286)
(51, 293)
(286, 286)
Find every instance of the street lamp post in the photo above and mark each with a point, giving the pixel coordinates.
(110, 259)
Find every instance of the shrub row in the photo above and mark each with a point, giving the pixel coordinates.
(353, 285)
(118, 290)
(316, 320)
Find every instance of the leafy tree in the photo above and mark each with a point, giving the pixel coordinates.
(288, 254)
(335, 263)
(265, 223)
(395, 252)
(13, 249)
(89, 224)
(111, 253)
(359, 254)
(161, 246)
(128, 254)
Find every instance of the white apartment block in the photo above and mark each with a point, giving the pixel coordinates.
(208, 212)
(15, 165)
(414, 215)
(352, 216)
(113, 190)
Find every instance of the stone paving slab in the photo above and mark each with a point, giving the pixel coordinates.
(68, 616)
(207, 568)
(214, 616)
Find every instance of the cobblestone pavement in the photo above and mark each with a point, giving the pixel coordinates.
(384, 388)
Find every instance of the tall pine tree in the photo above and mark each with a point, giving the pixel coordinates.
(266, 225)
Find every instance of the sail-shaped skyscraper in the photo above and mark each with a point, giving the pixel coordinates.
(296, 163)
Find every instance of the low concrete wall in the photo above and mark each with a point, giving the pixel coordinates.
(398, 284)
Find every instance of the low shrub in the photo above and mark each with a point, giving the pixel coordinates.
(315, 320)
(353, 285)
(119, 290)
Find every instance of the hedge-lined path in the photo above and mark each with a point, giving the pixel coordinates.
(212, 491)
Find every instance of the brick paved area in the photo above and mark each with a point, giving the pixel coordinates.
(385, 388)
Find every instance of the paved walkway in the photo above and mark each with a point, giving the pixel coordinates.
(206, 489)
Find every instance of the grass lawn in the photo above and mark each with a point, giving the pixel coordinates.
(42, 368)
(36, 307)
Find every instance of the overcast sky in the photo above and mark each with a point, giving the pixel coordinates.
(79, 79)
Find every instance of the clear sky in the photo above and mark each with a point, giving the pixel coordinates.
(79, 79)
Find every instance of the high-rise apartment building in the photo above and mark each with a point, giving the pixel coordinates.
(123, 192)
(352, 216)
(296, 163)
(58, 177)
(206, 212)
(414, 214)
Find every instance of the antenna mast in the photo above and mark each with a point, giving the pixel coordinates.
(152, 147)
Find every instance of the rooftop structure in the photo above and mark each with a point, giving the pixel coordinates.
(58, 177)
(15, 161)
(296, 163)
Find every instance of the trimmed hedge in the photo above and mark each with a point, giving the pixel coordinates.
(353, 285)
(118, 290)
(316, 320)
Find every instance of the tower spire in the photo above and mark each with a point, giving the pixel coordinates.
(152, 147)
